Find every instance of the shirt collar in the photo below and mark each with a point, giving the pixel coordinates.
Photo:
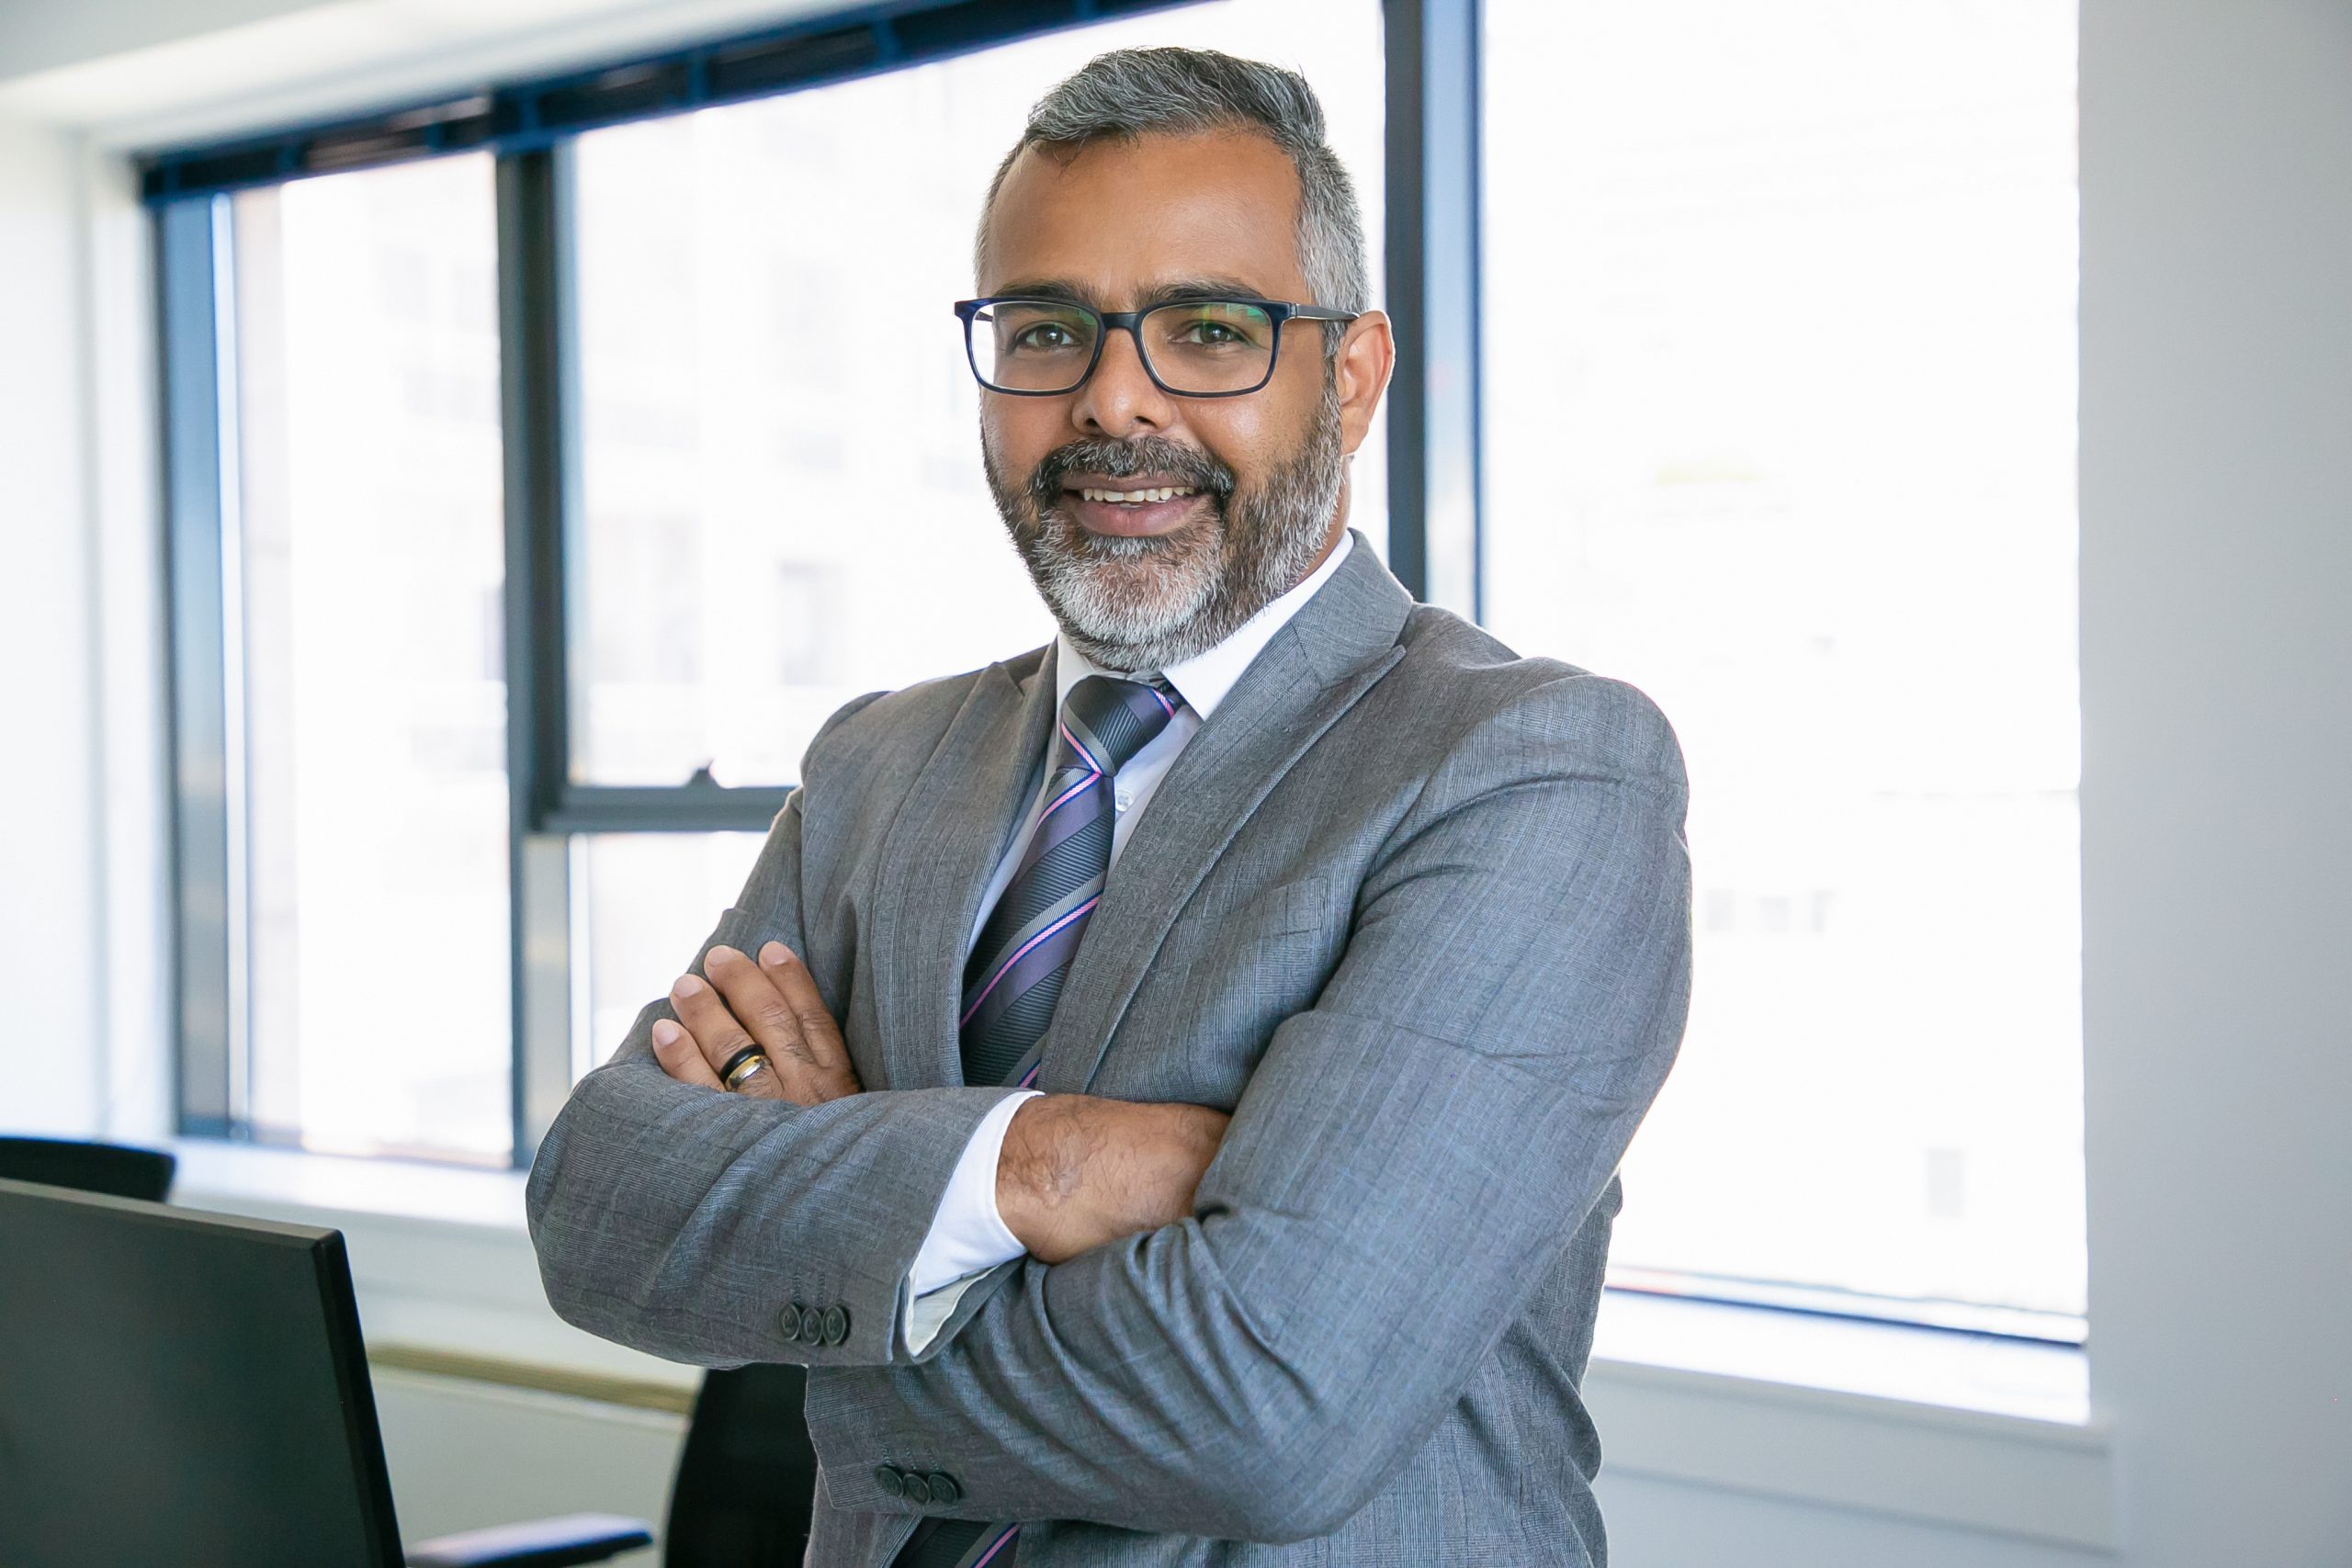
(1204, 679)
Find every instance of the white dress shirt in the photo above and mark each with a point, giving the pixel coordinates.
(968, 1236)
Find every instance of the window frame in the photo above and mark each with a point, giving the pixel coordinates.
(1432, 187)
(1431, 49)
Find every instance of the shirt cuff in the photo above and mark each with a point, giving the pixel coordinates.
(968, 1236)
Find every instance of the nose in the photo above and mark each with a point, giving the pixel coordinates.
(1120, 399)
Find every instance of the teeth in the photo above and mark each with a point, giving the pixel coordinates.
(1133, 497)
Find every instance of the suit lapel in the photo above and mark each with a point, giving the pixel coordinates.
(1337, 646)
(936, 860)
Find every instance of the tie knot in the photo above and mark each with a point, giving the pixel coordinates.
(1111, 720)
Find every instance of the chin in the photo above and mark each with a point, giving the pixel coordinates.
(1128, 601)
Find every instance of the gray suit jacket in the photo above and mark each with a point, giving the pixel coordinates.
(1414, 909)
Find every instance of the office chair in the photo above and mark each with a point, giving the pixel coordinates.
(741, 1498)
(114, 1169)
(747, 1479)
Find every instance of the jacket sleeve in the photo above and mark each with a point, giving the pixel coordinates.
(1409, 1160)
(717, 1229)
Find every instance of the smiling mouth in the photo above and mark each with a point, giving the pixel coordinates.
(1137, 497)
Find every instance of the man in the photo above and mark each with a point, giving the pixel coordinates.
(941, 1111)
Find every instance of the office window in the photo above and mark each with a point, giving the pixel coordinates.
(732, 464)
(780, 497)
(1779, 426)
(363, 557)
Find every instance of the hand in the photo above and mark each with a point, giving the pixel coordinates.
(1077, 1170)
(772, 1004)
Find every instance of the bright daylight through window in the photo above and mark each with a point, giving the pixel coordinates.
(365, 558)
(1779, 426)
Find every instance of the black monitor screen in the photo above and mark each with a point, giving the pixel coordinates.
(181, 1388)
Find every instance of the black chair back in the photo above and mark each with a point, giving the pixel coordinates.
(114, 1169)
(747, 1481)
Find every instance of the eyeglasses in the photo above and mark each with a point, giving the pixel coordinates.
(1190, 348)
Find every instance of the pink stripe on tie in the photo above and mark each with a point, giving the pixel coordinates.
(1006, 967)
(1069, 794)
(982, 1561)
(1081, 750)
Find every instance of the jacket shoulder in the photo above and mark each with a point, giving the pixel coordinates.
(887, 727)
(1462, 689)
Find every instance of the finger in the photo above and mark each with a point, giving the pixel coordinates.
(680, 1057)
(797, 987)
(721, 1034)
(716, 1032)
(751, 994)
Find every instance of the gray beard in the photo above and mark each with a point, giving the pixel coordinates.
(1145, 604)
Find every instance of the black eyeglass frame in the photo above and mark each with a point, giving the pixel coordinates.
(1281, 312)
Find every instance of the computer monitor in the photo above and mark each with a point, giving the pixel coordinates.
(180, 1388)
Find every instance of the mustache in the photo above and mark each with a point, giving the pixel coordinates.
(1189, 466)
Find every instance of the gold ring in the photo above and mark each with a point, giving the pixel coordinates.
(743, 1070)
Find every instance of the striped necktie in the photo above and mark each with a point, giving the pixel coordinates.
(1014, 978)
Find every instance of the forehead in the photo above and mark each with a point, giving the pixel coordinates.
(1118, 216)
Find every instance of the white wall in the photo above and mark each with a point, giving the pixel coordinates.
(2216, 647)
(1652, 1525)
(83, 841)
(465, 1455)
(2217, 766)
(52, 1050)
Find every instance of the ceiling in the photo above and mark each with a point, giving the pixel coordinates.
(138, 73)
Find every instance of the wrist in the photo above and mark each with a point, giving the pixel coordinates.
(1075, 1170)
(1037, 1170)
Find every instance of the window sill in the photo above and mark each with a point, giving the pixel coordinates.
(1919, 1424)
(234, 1174)
(1948, 1369)
(1916, 1424)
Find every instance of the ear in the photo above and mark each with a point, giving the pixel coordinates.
(1367, 357)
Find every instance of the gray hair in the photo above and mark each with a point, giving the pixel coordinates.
(1130, 93)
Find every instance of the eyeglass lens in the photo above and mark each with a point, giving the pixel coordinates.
(1197, 345)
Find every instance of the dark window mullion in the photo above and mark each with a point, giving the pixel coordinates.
(187, 309)
(532, 398)
(1432, 280)
(532, 406)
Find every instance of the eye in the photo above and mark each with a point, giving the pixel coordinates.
(1044, 337)
(1223, 326)
(1038, 332)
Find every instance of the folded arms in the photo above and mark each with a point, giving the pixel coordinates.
(1409, 1160)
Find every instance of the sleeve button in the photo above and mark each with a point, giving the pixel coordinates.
(812, 1326)
(888, 1478)
(918, 1490)
(836, 1324)
(787, 1323)
(944, 1490)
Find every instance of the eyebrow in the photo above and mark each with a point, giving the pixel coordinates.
(1167, 293)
